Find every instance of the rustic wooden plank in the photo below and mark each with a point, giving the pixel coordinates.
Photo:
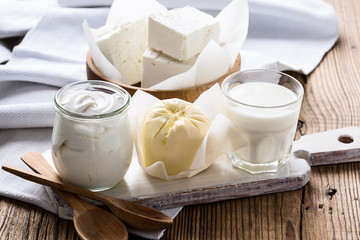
(331, 199)
(331, 204)
(272, 216)
(19, 220)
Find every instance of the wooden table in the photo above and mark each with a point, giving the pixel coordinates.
(328, 207)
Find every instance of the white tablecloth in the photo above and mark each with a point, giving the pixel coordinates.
(283, 35)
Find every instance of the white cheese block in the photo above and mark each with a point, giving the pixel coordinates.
(124, 47)
(158, 67)
(182, 33)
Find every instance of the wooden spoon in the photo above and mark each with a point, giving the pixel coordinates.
(133, 214)
(92, 222)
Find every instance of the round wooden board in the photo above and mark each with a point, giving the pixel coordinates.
(188, 94)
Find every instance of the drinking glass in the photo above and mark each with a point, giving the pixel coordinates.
(264, 107)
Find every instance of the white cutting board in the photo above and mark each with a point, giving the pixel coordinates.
(221, 181)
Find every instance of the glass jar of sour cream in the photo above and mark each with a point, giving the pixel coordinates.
(91, 142)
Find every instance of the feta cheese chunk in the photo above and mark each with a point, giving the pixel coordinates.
(124, 47)
(157, 67)
(182, 33)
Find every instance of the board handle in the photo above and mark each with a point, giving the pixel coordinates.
(330, 147)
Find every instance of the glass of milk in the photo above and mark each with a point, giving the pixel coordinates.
(264, 106)
(91, 142)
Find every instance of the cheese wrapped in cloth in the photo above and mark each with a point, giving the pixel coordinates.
(173, 131)
(176, 139)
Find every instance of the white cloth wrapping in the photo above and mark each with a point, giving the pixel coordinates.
(283, 35)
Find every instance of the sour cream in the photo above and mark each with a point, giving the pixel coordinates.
(92, 142)
(90, 102)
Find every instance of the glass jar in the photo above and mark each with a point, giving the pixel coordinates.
(91, 142)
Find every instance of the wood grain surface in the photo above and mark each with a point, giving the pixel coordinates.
(328, 207)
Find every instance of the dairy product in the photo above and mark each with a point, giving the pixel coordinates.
(90, 102)
(91, 140)
(123, 39)
(182, 33)
(157, 67)
(124, 47)
(265, 115)
(173, 131)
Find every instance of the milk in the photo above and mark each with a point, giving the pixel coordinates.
(265, 114)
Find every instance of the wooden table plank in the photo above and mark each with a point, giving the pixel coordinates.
(331, 199)
(19, 220)
(331, 203)
(272, 216)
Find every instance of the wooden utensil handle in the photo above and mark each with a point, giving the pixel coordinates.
(56, 184)
(38, 164)
(74, 201)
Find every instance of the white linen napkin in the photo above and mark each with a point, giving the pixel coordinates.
(85, 3)
(51, 54)
(283, 35)
(5, 52)
(14, 143)
(54, 51)
(26, 115)
(296, 36)
(18, 16)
